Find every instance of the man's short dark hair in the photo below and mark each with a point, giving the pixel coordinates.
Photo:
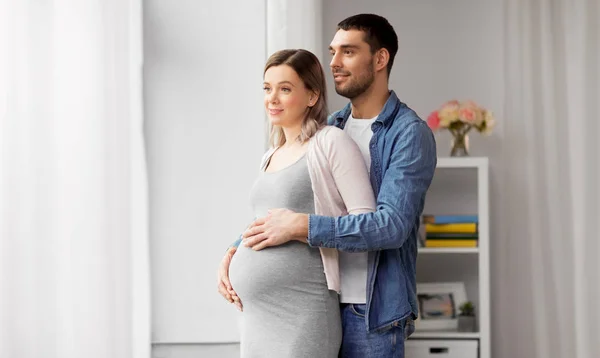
(378, 33)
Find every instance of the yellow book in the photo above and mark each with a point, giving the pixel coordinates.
(454, 228)
(451, 243)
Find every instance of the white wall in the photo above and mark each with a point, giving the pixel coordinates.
(205, 137)
(447, 49)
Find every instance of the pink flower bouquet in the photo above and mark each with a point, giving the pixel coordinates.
(459, 118)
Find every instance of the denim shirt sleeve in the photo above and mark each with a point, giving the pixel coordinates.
(236, 243)
(399, 202)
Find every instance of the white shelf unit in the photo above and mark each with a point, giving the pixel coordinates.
(445, 335)
(460, 186)
(448, 250)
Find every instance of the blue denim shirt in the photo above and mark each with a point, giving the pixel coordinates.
(403, 161)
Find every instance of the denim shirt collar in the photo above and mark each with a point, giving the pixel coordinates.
(386, 116)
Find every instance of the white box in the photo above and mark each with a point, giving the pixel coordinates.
(421, 348)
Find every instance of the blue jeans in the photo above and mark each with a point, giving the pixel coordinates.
(358, 343)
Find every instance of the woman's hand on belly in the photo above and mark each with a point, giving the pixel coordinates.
(223, 283)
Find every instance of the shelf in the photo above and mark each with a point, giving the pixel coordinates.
(462, 162)
(448, 250)
(444, 335)
(461, 186)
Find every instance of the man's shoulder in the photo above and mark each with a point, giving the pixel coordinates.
(331, 120)
(407, 120)
(343, 113)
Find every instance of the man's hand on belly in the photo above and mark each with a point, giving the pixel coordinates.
(277, 228)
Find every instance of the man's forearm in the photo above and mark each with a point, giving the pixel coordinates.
(321, 234)
(301, 227)
(400, 200)
(358, 233)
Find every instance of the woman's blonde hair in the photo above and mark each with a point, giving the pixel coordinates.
(309, 69)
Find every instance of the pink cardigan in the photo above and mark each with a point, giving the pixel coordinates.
(340, 183)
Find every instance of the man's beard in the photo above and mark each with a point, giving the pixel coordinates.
(358, 86)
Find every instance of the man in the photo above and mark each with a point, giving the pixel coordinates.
(378, 250)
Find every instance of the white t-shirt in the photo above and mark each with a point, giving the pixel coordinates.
(353, 265)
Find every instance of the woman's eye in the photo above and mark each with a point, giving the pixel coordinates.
(266, 89)
(285, 89)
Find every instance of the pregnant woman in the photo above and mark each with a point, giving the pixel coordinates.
(290, 292)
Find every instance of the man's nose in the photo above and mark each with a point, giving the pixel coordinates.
(335, 62)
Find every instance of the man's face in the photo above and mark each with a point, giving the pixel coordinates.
(351, 63)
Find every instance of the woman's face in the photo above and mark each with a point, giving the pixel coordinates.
(286, 98)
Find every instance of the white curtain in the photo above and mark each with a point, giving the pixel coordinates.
(295, 24)
(549, 296)
(74, 271)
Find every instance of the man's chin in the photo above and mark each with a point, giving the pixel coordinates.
(343, 92)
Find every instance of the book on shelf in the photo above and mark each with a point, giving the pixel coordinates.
(450, 219)
(451, 228)
(448, 231)
(451, 243)
(451, 236)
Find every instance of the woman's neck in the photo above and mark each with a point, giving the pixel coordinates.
(291, 135)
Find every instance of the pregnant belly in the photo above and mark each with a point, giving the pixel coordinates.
(278, 274)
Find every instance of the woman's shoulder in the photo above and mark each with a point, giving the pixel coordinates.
(331, 133)
(266, 157)
(332, 142)
(332, 136)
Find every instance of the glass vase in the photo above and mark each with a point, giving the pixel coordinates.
(460, 144)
